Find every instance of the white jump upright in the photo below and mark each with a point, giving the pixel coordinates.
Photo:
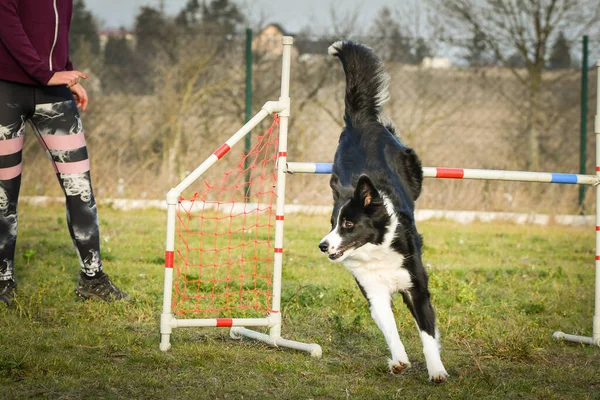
(595, 339)
(521, 176)
(273, 321)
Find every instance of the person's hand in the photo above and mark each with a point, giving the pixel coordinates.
(68, 78)
(80, 95)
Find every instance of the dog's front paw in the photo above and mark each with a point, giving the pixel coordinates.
(398, 367)
(438, 376)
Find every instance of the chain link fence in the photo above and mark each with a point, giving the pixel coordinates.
(151, 120)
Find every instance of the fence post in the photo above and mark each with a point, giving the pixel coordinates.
(583, 122)
(248, 139)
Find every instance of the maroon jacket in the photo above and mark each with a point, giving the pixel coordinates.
(34, 39)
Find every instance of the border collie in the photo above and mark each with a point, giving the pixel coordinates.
(375, 182)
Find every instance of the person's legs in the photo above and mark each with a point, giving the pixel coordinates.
(16, 106)
(58, 127)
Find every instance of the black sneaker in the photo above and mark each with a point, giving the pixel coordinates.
(7, 291)
(100, 288)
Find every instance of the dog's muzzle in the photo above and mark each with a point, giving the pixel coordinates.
(324, 247)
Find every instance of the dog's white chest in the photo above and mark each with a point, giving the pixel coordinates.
(378, 267)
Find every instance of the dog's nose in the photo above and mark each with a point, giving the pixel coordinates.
(324, 246)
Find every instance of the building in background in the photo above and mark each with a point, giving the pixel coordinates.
(106, 34)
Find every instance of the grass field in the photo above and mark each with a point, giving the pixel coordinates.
(500, 291)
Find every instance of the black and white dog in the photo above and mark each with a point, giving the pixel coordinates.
(375, 182)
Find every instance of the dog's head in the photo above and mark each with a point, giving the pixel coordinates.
(360, 216)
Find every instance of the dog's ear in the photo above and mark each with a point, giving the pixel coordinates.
(336, 186)
(365, 191)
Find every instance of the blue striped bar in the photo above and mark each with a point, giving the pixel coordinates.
(564, 178)
(322, 168)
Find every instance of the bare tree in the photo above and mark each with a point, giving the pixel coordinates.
(344, 25)
(389, 41)
(192, 95)
(525, 29)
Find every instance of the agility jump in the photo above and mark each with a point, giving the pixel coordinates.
(224, 252)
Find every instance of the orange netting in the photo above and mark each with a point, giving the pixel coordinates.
(224, 253)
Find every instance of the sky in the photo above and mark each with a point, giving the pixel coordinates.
(292, 15)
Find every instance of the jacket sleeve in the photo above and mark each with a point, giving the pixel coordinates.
(18, 44)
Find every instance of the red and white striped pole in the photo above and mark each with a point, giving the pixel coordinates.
(166, 316)
(284, 116)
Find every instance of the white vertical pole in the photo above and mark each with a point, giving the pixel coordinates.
(275, 331)
(167, 316)
(595, 339)
(596, 320)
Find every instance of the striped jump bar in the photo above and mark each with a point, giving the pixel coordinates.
(219, 322)
(462, 173)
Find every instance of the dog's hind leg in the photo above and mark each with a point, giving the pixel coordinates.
(417, 300)
(380, 303)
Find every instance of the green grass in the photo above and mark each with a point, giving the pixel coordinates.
(500, 291)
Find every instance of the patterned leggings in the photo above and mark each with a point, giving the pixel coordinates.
(53, 114)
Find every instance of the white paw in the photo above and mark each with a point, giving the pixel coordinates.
(438, 376)
(398, 367)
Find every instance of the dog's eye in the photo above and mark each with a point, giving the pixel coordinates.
(347, 224)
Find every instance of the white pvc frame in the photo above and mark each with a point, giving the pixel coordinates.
(273, 320)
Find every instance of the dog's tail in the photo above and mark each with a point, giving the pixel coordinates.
(366, 82)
